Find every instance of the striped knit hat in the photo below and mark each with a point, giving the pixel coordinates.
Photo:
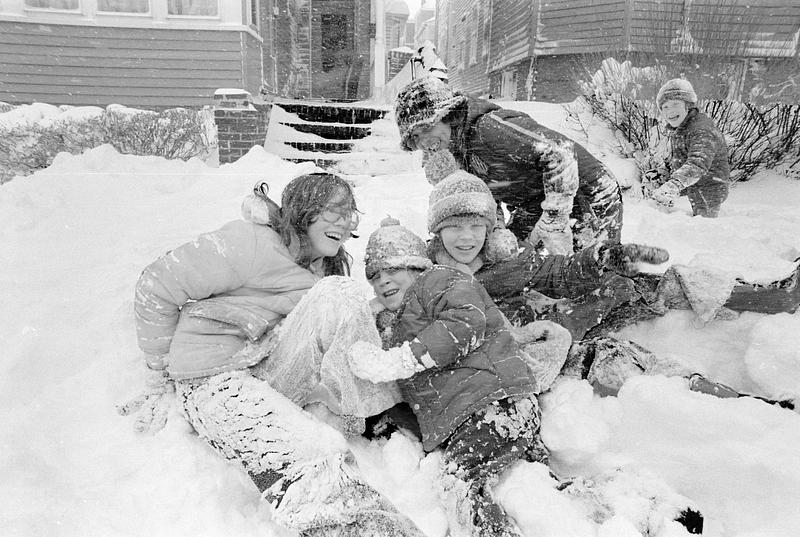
(677, 89)
(392, 246)
(423, 102)
(458, 195)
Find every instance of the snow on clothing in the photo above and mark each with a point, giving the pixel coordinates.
(699, 162)
(503, 147)
(301, 465)
(449, 316)
(204, 300)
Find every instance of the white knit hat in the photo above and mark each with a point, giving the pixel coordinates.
(392, 246)
(457, 195)
(678, 89)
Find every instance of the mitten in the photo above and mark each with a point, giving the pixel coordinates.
(152, 405)
(667, 193)
(624, 259)
(374, 364)
(545, 346)
(438, 165)
(500, 245)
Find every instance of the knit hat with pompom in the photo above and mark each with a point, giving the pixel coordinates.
(393, 246)
(676, 89)
(458, 195)
(423, 102)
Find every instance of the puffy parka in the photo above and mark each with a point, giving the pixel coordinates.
(201, 301)
(699, 151)
(448, 315)
(500, 147)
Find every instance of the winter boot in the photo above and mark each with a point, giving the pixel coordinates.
(699, 383)
(778, 297)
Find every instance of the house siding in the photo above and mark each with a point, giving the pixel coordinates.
(149, 68)
(580, 26)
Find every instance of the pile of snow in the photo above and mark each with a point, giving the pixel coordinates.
(75, 236)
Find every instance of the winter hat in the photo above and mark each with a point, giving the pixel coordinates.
(425, 101)
(458, 195)
(392, 246)
(677, 88)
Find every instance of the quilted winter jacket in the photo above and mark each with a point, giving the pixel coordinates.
(448, 315)
(201, 301)
(699, 151)
(498, 145)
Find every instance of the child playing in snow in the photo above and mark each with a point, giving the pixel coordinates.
(459, 368)
(513, 154)
(207, 314)
(698, 166)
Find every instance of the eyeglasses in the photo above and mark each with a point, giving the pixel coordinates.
(349, 218)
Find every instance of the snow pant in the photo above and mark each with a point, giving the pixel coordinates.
(706, 197)
(301, 465)
(309, 362)
(478, 451)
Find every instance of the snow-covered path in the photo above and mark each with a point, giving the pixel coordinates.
(74, 237)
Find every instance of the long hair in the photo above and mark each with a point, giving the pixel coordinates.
(303, 200)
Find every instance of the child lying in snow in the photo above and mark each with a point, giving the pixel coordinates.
(459, 368)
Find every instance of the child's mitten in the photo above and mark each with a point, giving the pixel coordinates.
(374, 364)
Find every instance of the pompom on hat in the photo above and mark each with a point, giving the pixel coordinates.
(393, 246)
(676, 89)
(423, 102)
(458, 195)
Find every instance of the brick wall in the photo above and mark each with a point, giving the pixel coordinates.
(241, 124)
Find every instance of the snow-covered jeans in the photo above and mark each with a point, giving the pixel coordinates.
(706, 197)
(309, 363)
(476, 454)
(302, 466)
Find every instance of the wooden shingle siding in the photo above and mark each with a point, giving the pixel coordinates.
(580, 26)
(93, 65)
(511, 35)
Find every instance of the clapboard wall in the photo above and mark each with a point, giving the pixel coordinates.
(140, 67)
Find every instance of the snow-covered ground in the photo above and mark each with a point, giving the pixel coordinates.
(74, 237)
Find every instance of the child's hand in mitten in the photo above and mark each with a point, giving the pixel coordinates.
(153, 404)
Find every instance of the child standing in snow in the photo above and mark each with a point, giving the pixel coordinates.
(698, 166)
(513, 154)
(207, 314)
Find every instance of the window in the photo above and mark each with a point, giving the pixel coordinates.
(53, 4)
(123, 6)
(254, 20)
(337, 41)
(192, 8)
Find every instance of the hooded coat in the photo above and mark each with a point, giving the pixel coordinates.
(499, 146)
(448, 315)
(202, 301)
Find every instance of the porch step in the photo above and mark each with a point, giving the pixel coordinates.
(333, 113)
(331, 131)
(322, 147)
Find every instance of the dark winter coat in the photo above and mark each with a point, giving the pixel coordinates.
(499, 146)
(448, 315)
(699, 153)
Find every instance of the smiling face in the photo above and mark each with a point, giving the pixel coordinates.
(330, 229)
(464, 241)
(674, 111)
(390, 286)
(432, 138)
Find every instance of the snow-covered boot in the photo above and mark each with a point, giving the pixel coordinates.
(699, 383)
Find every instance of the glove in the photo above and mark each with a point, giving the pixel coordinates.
(369, 362)
(666, 193)
(153, 404)
(624, 259)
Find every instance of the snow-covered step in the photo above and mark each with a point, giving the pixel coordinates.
(333, 112)
(331, 131)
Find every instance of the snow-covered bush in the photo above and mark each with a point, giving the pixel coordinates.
(759, 137)
(30, 141)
